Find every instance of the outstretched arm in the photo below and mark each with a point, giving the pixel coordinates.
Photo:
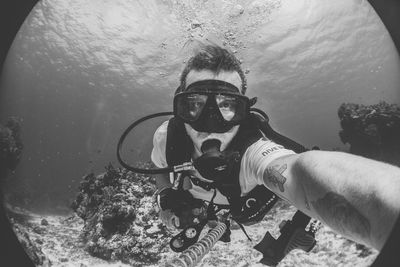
(355, 196)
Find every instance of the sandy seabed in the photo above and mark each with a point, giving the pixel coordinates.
(60, 242)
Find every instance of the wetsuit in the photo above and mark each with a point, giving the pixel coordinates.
(255, 160)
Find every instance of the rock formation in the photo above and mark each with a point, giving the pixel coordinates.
(10, 154)
(372, 131)
(120, 217)
(10, 146)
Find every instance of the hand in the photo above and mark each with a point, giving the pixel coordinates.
(170, 220)
(178, 209)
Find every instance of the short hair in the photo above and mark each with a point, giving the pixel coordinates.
(215, 59)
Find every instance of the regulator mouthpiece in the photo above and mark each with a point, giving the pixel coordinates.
(211, 146)
(215, 165)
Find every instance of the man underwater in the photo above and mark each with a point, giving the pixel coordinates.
(336, 188)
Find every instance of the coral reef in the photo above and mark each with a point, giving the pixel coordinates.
(372, 131)
(120, 218)
(10, 146)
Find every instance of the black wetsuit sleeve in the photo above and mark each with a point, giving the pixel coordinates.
(390, 254)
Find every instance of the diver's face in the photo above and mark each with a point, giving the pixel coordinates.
(199, 137)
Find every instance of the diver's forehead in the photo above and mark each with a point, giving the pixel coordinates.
(226, 76)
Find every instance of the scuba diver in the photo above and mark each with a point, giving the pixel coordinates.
(211, 114)
(221, 154)
(233, 155)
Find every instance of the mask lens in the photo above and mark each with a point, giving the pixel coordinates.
(190, 106)
(232, 108)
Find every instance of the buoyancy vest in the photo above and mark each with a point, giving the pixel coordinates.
(253, 206)
(256, 204)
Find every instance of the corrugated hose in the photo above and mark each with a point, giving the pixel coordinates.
(193, 254)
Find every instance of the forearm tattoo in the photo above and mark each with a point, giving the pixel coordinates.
(273, 176)
(305, 198)
(338, 213)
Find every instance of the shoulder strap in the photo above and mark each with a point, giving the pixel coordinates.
(249, 133)
(179, 147)
(263, 125)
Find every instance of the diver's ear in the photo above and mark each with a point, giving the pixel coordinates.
(252, 101)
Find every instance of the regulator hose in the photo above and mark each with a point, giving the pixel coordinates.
(265, 127)
(122, 139)
(193, 254)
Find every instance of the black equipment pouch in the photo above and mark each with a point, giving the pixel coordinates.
(254, 206)
(293, 236)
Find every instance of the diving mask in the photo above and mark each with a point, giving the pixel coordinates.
(212, 106)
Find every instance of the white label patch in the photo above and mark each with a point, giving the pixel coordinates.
(272, 149)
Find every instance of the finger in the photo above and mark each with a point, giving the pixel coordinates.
(170, 228)
(212, 223)
(164, 218)
(171, 221)
(170, 225)
(196, 211)
(176, 221)
(167, 221)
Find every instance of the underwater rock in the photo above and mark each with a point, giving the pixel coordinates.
(12, 221)
(195, 24)
(10, 146)
(44, 222)
(39, 230)
(33, 248)
(237, 11)
(117, 209)
(33, 251)
(372, 131)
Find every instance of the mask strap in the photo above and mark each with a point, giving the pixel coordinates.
(178, 90)
(252, 101)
